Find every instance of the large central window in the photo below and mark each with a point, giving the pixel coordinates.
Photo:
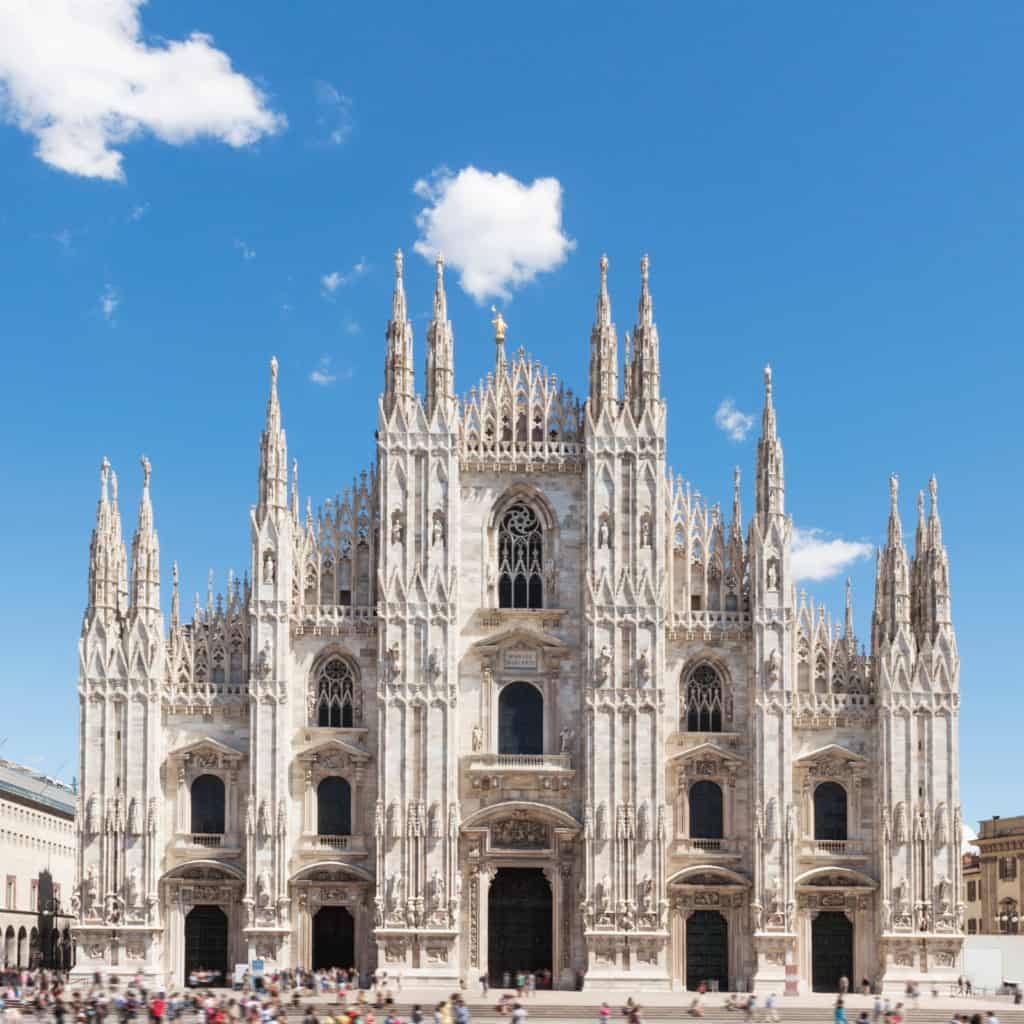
(702, 701)
(520, 559)
(520, 720)
(335, 686)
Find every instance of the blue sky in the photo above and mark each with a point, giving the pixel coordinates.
(831, 188)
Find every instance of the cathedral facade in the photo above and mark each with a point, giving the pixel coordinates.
(519, 698)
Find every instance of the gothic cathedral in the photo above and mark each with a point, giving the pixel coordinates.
(519, 699)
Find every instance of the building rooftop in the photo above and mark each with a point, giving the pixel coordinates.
(26, 785)
(995, 828)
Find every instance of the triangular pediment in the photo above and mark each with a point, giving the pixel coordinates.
(706, 750)
(830, 752)
(206, 745)
(520, 636)
(334, 745)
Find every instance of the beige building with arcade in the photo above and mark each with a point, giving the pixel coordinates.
(520, 697)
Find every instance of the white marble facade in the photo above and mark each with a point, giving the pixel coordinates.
(519, 683)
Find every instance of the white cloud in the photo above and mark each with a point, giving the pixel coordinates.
(815, 556)
(335, 279)
(138, 212)
(109, 301)
(735, 423)
(967, 846)
(247, 252)
(335, 117)
(79, 76)
(322, 374)
(499, 233)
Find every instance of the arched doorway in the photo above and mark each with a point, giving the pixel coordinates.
(518, 922)
(707, 950)
(831, 950)
(22, 948)
(334, 939)
(206, 942)
(520, 720)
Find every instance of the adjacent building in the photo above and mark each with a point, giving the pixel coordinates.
(993, 878)
(38, 850)
(520, 697)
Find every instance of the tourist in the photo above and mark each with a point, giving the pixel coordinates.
(518, 1014)
(991, 1018)
(483, 984)
(604, 1014)
(771, 1012)
(839, 1016)
(864, 1018)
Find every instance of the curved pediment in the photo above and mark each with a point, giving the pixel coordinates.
(524, 808)
(708, 874)
(830, 752)
(205, 871)
(835, 877)
(331, 871)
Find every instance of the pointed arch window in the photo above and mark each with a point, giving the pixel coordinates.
(520, 559)
(703, 701)
(335, 694)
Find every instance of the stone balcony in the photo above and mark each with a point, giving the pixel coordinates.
(204, 846)
(707, 849)
(552, 772)
(833, 850)
(332, 847)
(332, 619)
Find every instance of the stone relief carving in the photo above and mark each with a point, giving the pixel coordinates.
(519, 833)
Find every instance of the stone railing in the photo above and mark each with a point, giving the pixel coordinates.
(709, 619)
(332, 616)
(689, 844)
(209, 839)
(859, 705)
(521, 762)
(833, 848)
(334, 842)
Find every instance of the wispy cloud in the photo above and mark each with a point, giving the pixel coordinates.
(349, 326)
(95, 84)
(336, 279)
(109, 301)
(817, 556)
(498, 232)
(735, 424)
(335, 113)
(138, 212)
(324, 373)
(247, 252)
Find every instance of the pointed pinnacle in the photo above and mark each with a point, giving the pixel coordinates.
(604, 306)
(440, 299)
(933, 493)
(646, 306)
(398, 299)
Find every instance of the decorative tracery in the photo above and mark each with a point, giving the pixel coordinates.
(335, 694)
(704, 707)
(520, 559)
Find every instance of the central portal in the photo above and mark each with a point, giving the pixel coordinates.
(334, 939)
(518, 923)
(707, 951)
(831, 950)
(206, 946)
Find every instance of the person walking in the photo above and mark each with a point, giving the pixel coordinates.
(771, 1012)
(839, 1016)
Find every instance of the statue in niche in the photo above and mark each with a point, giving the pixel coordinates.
(564, 739)
(478, 739)
(263, 822)
(89, 892)
(133, 817)
(437, 532)
(604, 895)
(436, 891)
(603, 533)
(114, 909)
(902, 898)
(604, 666)
(645, 532)
(397, 532)
(268, 566)
(945, 896)
(433, 665)
(132, 889)
(396, 890)
(647, 895)
(601, 823)
(900, 827)
(774, 667)
(391, 658)
(773, 575)
(262, 890)
(643, 670)
(775, 906)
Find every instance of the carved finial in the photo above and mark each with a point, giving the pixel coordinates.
(104, 477)
(113, 488)
(933, 493)
(500, 326)
(174, 574)
(273, 370)
(894, 490)
(736, 483)
(604, 306)
(398, 265)
(645, 264)
(604, 269)
(439, 267)
(146, 471)
(768, 380)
